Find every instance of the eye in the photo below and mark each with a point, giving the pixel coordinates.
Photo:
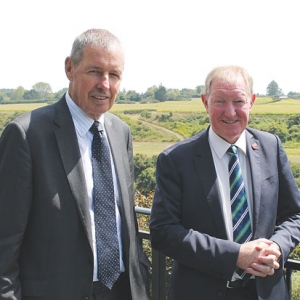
(219, 102)
(94, 72)
(239, 103)
(116, 75)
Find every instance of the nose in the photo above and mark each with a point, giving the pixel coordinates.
(230, 109)
(103, 82)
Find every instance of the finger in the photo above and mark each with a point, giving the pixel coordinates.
(262, 269)
(255, 272)
(262, 244)
(270, 261)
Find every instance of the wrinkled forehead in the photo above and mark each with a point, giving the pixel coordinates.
(233, 82)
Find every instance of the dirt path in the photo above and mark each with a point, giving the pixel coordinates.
(178, 136)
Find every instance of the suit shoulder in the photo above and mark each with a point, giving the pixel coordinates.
(190, 144)
(37, 115)
(116, 121)
(263, 136)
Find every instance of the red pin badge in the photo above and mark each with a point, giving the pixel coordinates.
(254, 146)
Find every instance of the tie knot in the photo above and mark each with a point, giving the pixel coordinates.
(232, 150)
(96, 128)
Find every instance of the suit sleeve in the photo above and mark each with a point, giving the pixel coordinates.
(15, 202)
(287, 230)
(189, 247)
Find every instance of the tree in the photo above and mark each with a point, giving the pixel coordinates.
(60, 93)
(133, 96)
(161, 93)
(17, 94)
(43, 89)
(294, 95)
(200, 89)
(173, 94)
(273, 89)
(149, 94)
(188, 93)
(31, 95)
(3, 96)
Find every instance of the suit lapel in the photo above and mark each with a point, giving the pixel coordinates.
(116, 147)
(205, 170)
(71, 159)
(125, 203)
(253, 151)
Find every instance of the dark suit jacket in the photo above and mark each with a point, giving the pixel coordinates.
(45, 233)
(187, 223)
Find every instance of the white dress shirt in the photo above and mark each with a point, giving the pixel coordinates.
(219, 148)
(82, 125)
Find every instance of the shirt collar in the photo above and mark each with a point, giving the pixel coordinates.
(81, 121)
(221, 146)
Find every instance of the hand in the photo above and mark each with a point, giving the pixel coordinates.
(259, 257)
(267, 261)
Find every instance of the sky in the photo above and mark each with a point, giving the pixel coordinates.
(170, 42)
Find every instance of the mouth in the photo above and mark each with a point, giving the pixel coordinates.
(230, 122)
(101, 98)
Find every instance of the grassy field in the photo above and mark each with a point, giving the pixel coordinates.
(262, 106)
(22, 107)
(149, 148)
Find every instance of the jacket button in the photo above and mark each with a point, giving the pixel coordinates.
(220, 294)
(85, 298)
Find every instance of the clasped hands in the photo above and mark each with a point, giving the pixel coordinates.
(259, 257)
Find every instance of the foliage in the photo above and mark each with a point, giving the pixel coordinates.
(161, 94)
(146, 132)
(30, 95)
(43, 89)
(60, 93)
(8, 116)
(273, 89)
(146, 114)
(3, 96)
(294, 95)
(295, 254)
(144, 173)
(17, 94)
(6, 91)
(158, 94)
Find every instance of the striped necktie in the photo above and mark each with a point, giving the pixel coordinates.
(104, 209)
(238, 199)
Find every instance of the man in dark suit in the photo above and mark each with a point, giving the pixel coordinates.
(47, 218)
(191, 218)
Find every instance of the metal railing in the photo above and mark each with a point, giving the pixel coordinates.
(159, 265)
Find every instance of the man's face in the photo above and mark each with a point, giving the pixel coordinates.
(228, 106)
(95, 80)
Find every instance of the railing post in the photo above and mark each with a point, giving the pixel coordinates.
(158, 275)
(288, 280)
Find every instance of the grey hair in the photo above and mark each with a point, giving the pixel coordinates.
(96, 37)
(228, 74)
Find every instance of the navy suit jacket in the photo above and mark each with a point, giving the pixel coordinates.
(45, 231)
(187, 222)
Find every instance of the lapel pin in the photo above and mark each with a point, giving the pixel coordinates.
(254, 146)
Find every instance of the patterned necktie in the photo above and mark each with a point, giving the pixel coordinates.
(104, 209)
(239, 206)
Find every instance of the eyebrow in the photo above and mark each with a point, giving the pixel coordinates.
(101, 69)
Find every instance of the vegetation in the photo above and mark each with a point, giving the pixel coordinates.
(156, 125)
(42, 91)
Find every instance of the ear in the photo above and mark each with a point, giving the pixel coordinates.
(204, 101)
(253, 98)
(69, 68)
